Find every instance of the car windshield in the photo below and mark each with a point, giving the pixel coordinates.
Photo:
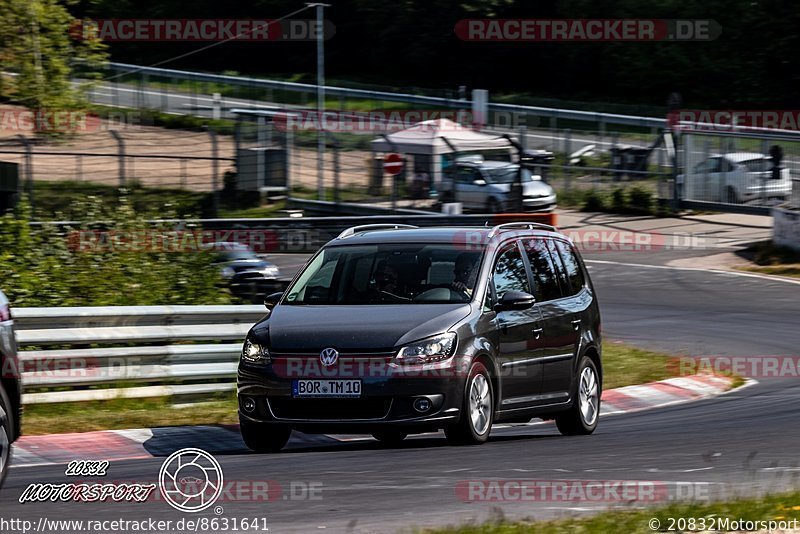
(507, 175)
(399, 273)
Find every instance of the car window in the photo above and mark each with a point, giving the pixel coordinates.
(573, 268)
(467, 175)
(714, 165)
(757, 165)
(544, 272)
(560, 270)
(509, 272)
(726, 165)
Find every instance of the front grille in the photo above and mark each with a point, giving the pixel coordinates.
(330, 409)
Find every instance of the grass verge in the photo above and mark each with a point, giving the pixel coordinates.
(778, 507)
(772, 259)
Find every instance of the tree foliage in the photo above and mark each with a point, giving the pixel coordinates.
(40, 44)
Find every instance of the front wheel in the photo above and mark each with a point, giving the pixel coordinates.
(582, 417)
(6, 433)
(477, 411)
(264, 437)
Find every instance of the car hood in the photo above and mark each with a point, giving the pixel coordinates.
(535, 188)
(296, 328)
(248, 265)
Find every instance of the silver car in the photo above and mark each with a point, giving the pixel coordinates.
(486, 186)
(9, 387)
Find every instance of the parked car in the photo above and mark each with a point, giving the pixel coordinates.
(735, 178)
(10, 390)
(486, 186)
(249, 276)
(402, 330)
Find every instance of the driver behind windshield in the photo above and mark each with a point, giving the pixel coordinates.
(464, 273)
(384, 280)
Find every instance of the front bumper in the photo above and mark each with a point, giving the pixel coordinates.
(539, 203)
(387, 397)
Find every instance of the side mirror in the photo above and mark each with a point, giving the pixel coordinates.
(479, 181)
(271, 300)
(515, 300)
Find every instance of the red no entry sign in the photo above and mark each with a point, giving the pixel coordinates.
(393, 164)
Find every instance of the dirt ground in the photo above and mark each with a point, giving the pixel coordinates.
(91, 154)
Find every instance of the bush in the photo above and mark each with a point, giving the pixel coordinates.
(594, 201)
(641, 200)
(48, 265)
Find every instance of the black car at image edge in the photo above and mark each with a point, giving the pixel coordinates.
(392, 330)
(9, 387)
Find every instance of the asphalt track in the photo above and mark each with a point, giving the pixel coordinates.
(739, 443)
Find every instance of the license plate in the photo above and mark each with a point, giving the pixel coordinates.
(326, 388)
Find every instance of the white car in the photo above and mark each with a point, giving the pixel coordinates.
(486, 186)
(735, 177)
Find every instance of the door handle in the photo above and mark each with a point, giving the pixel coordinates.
(576, 324)
(537, 332)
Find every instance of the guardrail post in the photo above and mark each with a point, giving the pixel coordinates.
(121, 155)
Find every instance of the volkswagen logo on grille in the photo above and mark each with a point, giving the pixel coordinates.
(328, 356)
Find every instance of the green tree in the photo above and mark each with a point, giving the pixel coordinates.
(40, 43)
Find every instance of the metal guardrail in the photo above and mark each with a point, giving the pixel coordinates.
(165, 350)
(346, 92)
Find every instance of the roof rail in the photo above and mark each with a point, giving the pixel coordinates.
(369, 227)
(526, 225)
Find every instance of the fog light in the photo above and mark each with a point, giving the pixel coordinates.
(248, 404)
(422, 404)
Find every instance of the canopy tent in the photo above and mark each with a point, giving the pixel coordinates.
(436, 137)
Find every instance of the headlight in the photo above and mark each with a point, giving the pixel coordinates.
(432, 349)
(254, 353)
(228, 272)
(271, 271)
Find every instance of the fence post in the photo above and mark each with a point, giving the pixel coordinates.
(289, 139)
(261, 146)
(28, 185)
(336, 169)
(121, 155)
(214, 172)
(567, 152)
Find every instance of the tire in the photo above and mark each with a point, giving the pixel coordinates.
(7, 426)
(477, 409)
(583, 415)
(492, 206)
(730, 195)
(390, 437)
(264, 437)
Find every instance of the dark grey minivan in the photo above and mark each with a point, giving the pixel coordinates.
(392, 330)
